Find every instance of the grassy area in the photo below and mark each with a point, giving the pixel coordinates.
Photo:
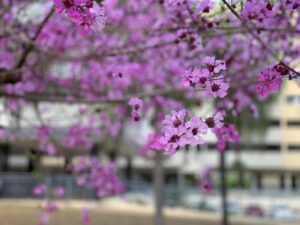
(27, 214)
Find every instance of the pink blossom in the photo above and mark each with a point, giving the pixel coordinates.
(216, 121)
(206, 172)
(225, 135)
(195, 78)
(99, 17)
(213, 65)
(206, 186)
(207, 78)
(136, 103)
(85, 215)
(43, 132)
(204, 78)
(39, 189)
(205, 6)
(79, 135)
(99, 177)
(44, 218)
(137, 107)
(153, 143)
(59, 192)
(195, 127)
(156, 144)
(269, 81)
(217, 87)
(86, 13)
(176, 119)
(173, 139)
(81, 180)
(3, 133)
(50, 207)
(292, 4)
(51, 149)
(239, 102)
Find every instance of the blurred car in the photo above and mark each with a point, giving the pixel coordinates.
(282, 213)
(254, 210)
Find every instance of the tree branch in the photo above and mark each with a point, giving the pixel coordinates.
(13, 76)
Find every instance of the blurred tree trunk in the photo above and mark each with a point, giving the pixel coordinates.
(241, 182)
(239, 167)
(159, 188)
(128, 168)
(5, 148)
(223, 188)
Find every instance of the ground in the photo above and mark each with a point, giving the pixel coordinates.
(26, 212)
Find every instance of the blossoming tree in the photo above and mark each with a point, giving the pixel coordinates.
(142, 60)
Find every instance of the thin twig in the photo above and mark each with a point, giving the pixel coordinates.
(258, 38)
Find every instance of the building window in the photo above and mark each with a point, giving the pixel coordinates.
(294, 147)
(274, 123)
(273, 147)
(248, 147)
(293, 123)
(293, 99)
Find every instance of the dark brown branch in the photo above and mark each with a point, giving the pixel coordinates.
(37, 97)
(29, 48)
(13, 76)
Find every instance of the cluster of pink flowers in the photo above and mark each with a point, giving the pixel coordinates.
(46, 145)
(270, 79)
(59, 192)
(257, 10)
(179, 131)
(85, 215)
(292, 4)
(189, 38)
(99, 177)
(226, 134)
(49, 148)
(39, 189)
(137, 107)
(153, 143)
(239, 102)
(207, 77)
(206, 184)
(87, 13)
(92, 175)
(79, 135)
(215, 121)
(145, 46)
(266, 13)
(49, 206)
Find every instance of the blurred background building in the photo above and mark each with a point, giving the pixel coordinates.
(267, 158)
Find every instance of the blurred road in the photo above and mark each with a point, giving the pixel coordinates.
(113, 212)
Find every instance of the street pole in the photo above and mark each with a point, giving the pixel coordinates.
(159, 188)
(223, 188)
